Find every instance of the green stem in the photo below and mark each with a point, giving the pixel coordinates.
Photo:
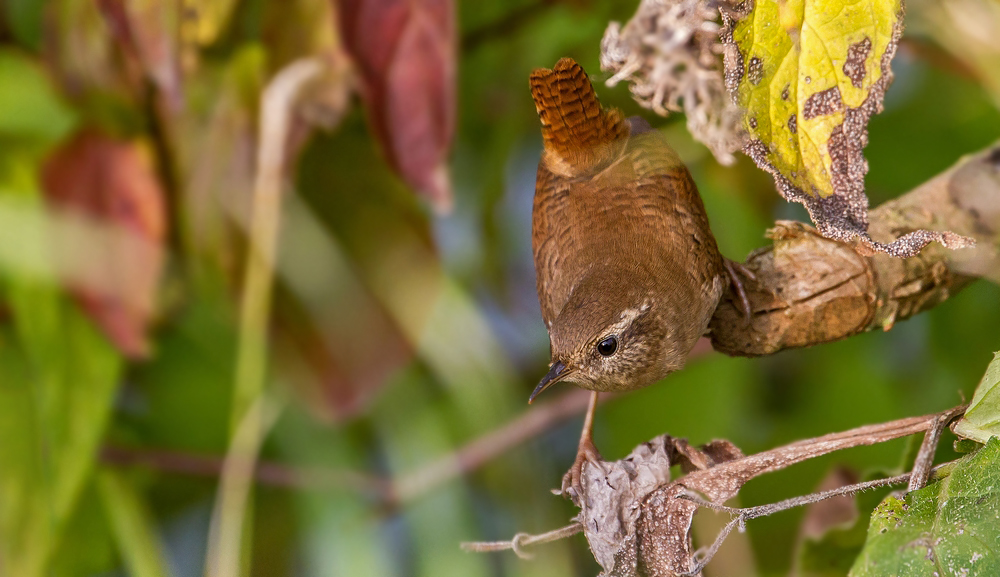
(247, 420)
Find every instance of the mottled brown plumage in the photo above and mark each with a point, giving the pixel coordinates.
(621, 241)
(623, 252)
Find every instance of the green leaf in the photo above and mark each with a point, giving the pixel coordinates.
(24, 17)
(30, 107)
(810, 74)
(58, 376)
(949, 528)
(132, 525)
(982, 418)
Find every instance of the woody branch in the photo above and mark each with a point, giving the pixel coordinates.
(811, 290)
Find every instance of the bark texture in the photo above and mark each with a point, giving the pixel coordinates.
(811, 290)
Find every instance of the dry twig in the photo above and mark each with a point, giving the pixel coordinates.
(638, 521)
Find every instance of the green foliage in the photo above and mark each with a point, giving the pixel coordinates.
(57, 382)
(25, 20)
(982, 418)
(132, 524)
(30, 108)
(949, 528)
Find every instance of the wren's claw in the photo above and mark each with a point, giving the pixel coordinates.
(735, 269)
(572, 481)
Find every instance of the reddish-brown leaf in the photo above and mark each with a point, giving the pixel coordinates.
(107, 183)
(405, 54)
(147, 32)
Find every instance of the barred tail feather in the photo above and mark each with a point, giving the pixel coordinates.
(580, 137)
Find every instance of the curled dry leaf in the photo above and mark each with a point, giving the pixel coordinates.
(105, 185)
(669, 52)
(810, 76)
(405, 54)
(638, 521)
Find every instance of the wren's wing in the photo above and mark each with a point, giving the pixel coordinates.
(580, 138)
(641, 211)
(609, 193)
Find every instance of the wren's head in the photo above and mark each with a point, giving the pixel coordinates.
(609, 339)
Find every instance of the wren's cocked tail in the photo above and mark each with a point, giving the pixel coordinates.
(628, 272)
(580, 136)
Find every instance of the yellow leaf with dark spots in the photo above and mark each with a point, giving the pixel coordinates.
(809, 75)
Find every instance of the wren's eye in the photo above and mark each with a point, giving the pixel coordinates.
(608, 346)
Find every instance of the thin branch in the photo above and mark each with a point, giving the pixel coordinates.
(522, 540)
(266, 472)
(528, 425)
(748, 513)
(742, 515)
(925, 457)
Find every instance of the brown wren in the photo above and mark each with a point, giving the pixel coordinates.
(628, 272)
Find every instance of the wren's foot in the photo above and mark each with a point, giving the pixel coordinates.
(735, 269)
(572, 481)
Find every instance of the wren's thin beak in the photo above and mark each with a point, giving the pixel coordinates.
(556, 372)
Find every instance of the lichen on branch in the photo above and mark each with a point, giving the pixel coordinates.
(810, 289)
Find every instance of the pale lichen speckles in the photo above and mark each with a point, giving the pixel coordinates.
(821, 103)
(733, 61)
(752, 122)
(854, 67)
(755, 71)
(792, 126)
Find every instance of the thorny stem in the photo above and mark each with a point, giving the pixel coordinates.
(917, 478)
(742, 515)
(724, 479)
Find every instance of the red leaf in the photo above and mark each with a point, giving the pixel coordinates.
(405, 53)
(146, 31)
(106, 182)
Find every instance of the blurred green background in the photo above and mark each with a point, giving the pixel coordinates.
(398, 336)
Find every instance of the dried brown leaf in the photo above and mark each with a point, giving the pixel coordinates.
(638, 521)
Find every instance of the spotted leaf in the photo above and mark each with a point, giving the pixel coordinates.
(810, 74)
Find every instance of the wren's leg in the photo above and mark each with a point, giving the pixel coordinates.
(572, 484)
(734, 269)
